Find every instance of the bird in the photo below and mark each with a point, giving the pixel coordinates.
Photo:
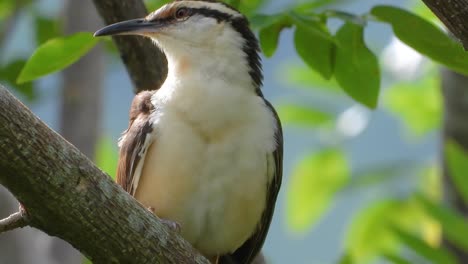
(205, 149)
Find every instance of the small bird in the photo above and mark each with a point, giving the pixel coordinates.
(205, 149)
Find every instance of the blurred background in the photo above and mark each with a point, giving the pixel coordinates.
(348, 169)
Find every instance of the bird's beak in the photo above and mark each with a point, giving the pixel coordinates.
(130, 27)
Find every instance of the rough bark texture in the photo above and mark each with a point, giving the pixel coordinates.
(454, 14)
(145, 63)
(67, 196)
(455, 93)
(80, 113)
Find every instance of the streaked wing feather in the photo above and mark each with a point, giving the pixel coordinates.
(132, 151)
(135, 141)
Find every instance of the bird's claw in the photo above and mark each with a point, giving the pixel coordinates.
(173, 225)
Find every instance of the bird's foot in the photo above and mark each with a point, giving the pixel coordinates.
(173, 225)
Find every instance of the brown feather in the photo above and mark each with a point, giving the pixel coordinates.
(133, 139)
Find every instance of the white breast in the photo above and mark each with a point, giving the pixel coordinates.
(206, 168)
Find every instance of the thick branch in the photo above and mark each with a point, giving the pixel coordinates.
(65, 195)
(16, 220)
(454, 14)
(145, 63)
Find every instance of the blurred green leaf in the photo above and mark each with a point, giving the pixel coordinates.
(269, 34)
(454, 225)
(370, 235)
(431, 181)
(311, 5)
(424, 37)
(376, 173)
(346, 17)
(152, 5)
(312, 187)
(46, 28)
(106, 155)
(435, 255)
(356, 67)
(262, 20)
(421, 9)
(318, 56)
(396, 259)
(233, 3)
(6, 8)
(371, 225)
(9, 73)
(400, 98)
(306, 77)
(303, 116)
(56, 54)
(250, 7)
(457, 161)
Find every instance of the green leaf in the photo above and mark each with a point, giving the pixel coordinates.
(303, 116)
(6, 8)
(106, 155)
(435, 255)
(457, 161)
(306, 77)
(56, 54)
(346, 17)
(371, 225)
(369, 234)
(262, 20)
(356, 67)
(313, 184)
(9, 73)
(396, 259)
(424, 37)
(152, 5)
(46, 28)
(233, 3)
(318, 56)
(454, 225)
(250, 7)
(269, 34)
(399, 100)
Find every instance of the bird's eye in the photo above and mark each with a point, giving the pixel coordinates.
(182, 12)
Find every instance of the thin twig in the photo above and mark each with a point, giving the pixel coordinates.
(16, 220)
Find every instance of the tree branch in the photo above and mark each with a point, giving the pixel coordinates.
(454, 14)
(67, 196)
(145, 63)
(16, 220)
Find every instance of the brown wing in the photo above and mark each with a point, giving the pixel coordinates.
(251, 248)
(135, 140)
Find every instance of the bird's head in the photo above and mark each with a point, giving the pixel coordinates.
(191, 27)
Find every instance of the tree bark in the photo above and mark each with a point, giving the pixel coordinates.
(454, 14)
(145, 63)
(65, 195)
(455, 127)
(80, 113)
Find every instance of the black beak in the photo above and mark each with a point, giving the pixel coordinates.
(129, 27)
